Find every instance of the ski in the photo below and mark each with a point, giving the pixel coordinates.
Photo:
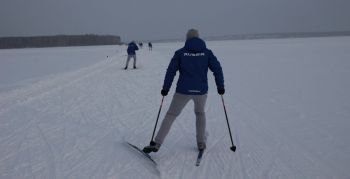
(143, 153)
(199, 157)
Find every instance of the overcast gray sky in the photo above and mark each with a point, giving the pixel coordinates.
(159, 19)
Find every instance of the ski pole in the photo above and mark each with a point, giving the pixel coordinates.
(155, 126)
(233, 147)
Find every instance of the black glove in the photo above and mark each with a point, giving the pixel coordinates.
(164, 92)
(221, 91)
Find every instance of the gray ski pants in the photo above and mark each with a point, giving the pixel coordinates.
(177, 104)
(128, 59)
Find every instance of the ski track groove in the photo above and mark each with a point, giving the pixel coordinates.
(305, 155)
(260, 152)
(47, 87)
(50, 155)
(30, 124)
(238, 150)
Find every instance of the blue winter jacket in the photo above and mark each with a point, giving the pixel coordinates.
(132, 47)
(192, 61)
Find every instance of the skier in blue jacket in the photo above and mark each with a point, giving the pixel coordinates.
(132, 47)
(192, 61)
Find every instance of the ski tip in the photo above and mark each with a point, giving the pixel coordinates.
(143, 153)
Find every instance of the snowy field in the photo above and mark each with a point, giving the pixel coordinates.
(25, 66)
(65, 113)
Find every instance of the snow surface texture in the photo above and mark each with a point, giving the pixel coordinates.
(288, 105)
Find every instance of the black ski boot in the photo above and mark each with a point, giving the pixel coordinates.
(153, 147)
(201, 146)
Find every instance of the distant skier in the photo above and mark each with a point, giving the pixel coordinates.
(141, 44)
(150, 46)
(132, 47)
(192, 61)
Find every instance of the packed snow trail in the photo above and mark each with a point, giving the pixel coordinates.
(287, 102)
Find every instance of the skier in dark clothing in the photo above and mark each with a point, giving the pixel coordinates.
(150, 46)
(132, 47)
(192, 61)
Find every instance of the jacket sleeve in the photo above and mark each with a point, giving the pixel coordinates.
(215, 67)
(171, 71)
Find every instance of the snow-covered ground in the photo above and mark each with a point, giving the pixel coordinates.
(288, 105)
(19, 67)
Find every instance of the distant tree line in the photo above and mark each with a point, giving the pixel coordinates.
(58, 41)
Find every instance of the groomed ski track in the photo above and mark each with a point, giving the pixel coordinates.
(73, 124)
